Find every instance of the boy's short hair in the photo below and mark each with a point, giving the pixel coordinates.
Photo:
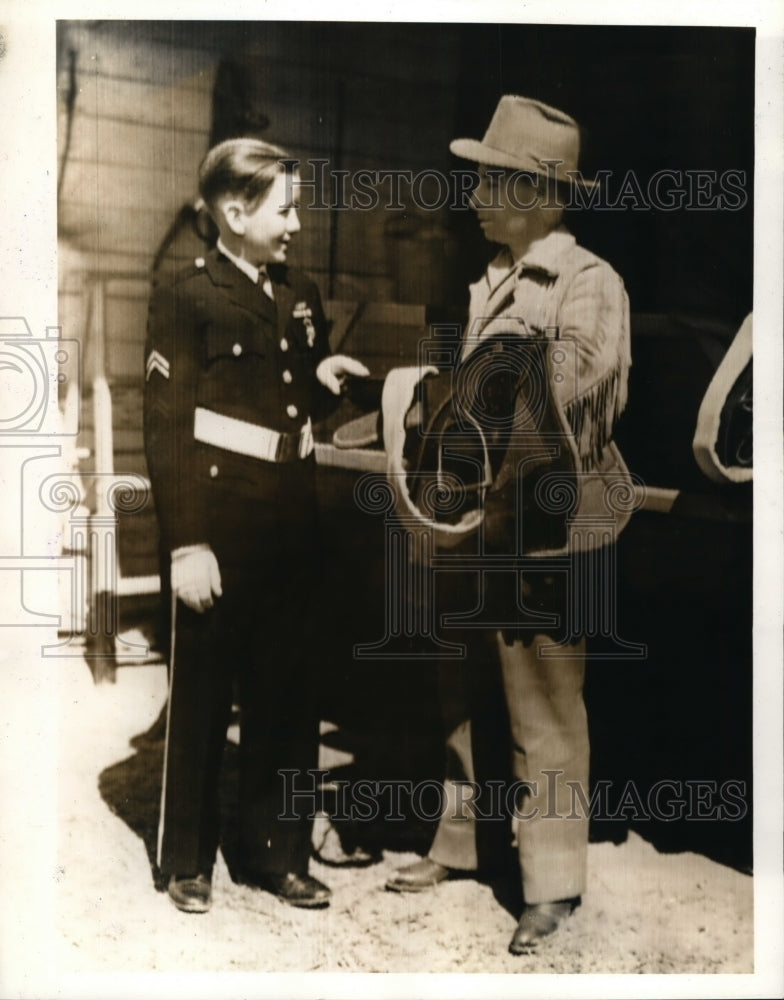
(242, 168)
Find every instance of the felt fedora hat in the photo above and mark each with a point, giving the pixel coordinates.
(528, 135)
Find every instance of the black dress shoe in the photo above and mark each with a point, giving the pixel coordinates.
(417, 877)
(191, 893)
(297, 890)
(539, 920)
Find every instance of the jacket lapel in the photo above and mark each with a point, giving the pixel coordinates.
(486, 304)
(239, 288)
(501, 296)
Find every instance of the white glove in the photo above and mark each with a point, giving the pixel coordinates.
(195, 576)
(332, 371)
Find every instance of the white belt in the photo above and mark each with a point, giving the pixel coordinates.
(245, 438)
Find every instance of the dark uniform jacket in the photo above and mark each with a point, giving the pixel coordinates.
(218, 347)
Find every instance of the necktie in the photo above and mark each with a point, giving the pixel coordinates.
(265, 284)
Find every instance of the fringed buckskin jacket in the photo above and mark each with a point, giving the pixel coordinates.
(572, 308)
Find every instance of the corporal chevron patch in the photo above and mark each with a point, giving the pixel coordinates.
(157, 363)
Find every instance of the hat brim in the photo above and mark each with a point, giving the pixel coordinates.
(472, 149)
(359, 432)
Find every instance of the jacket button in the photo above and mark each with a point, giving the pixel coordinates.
(287, 377)
(236, 350)
(213, 471)
(292, 411)
(284, 344)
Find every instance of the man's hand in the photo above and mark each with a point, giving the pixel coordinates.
(332, 371)
(195, 577)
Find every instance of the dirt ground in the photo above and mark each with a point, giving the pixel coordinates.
(644, 911)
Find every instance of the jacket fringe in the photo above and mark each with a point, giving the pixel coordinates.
(592, 416)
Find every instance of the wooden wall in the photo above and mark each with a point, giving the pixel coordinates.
(135, 105)
(358, 95)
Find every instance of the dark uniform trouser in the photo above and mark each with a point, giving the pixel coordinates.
(257, 632)
(547, 719)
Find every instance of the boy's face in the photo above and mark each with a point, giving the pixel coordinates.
(268, 226)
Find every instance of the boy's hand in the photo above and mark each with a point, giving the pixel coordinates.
(195, 577)
(332, 371)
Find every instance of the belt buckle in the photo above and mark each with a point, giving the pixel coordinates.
(288, 447)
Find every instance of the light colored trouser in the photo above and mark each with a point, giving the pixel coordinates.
(549, 731)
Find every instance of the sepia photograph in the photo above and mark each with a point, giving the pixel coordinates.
(388, 586)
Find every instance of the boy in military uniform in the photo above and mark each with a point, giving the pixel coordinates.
(237, 370)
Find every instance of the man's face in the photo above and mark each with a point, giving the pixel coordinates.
(270, 225)
(506, 205)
